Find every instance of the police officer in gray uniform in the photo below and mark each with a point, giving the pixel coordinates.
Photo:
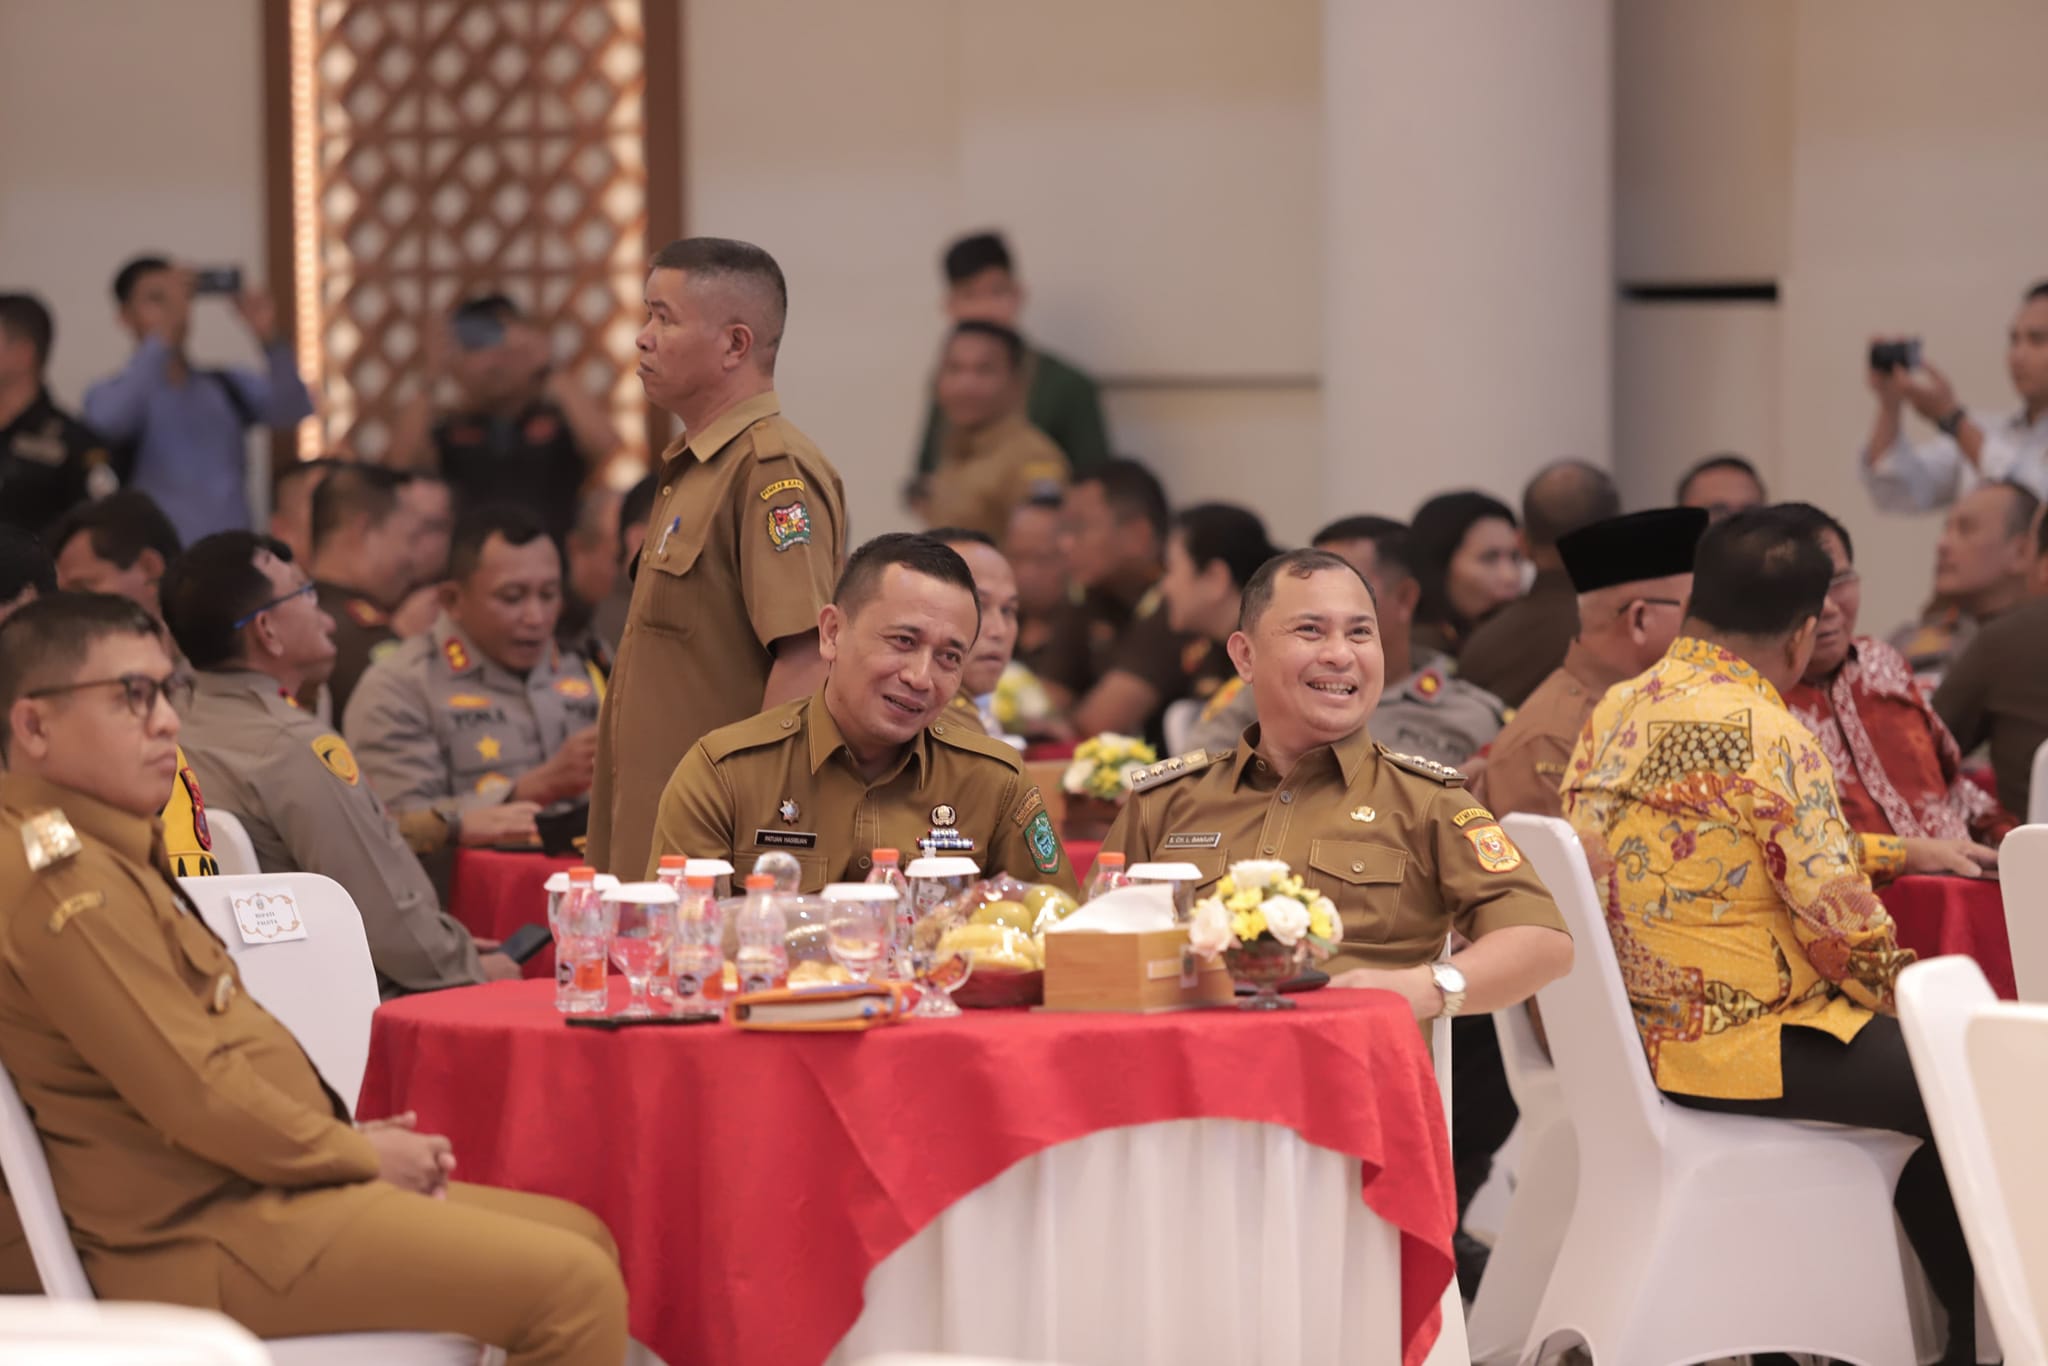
(484, 720)
(245, 617)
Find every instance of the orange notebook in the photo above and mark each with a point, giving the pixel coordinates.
(812, 1009)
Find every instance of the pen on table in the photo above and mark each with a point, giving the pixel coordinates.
(675, 525)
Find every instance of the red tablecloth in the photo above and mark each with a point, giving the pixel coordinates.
(1081, 853)
(492, 893)
(754, 1180)
(1966, 915)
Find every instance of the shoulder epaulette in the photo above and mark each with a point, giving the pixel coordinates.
(1166, 770)
(769, 728)
(1428, 768)
(972, 739)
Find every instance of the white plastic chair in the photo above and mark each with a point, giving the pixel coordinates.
(63, 1277)
(1450, 1348)
(2023, 885)
(322, 988)
(37, 1331)
(1673, 1252)
(2037, 787)
(1953, 1023)
(1177, 723)
(1546, 1178)
(232, 848)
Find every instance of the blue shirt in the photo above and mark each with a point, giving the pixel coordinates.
(188, 438)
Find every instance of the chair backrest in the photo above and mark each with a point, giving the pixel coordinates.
(2023, 884)
(41, 1332)
(2037, 787)
(1945, 1006)
(232, 848)
(323, 987)
(35, 1199)
(1521, 1053)
(1594, 1044)
(1177, 723)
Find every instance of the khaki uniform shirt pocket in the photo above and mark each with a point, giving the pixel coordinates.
(1364, 879)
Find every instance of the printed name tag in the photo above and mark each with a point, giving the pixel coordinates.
(1201, 839)
(785, 839)
(268, 917)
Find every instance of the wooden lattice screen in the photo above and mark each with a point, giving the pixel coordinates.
(445, 148)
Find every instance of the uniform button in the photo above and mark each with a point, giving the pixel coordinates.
(865, 861)
(788, 722)
(938, 730)
(1268, 849)
(1286, 797)
(664, 490)
(1357, 867)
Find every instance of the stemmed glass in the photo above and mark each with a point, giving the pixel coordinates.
(644, 925)
(858, 920)
(938, 887)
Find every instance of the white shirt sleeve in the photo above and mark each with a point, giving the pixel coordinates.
(1910, 478)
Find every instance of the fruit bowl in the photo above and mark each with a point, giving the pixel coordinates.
(995, 988)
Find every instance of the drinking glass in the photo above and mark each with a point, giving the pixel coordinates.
(557, 887)
(582, 940)
(643, 918)
(859, 919)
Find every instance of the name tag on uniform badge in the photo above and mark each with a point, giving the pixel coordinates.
(786, 839)
(268, 917)
(1194, 839)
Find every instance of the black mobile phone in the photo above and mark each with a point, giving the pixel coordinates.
(217, 280)
(524, 942)
(628, 1021)
(559, 830)
(477, 331)
(1898, 355)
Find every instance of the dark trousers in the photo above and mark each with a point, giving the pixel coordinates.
(1868, 1082)
(1483, 1110)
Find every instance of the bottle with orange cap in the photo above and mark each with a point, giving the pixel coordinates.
(888, 872)
(763, 958)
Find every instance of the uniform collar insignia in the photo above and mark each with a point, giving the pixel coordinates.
(48, 839)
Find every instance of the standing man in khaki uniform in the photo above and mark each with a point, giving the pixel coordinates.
(364, 543)
(872, 760)
(1397, 842)
(245, 618)
(1633, 576)
(991, 460)
(197, 1155)
(741, 552)
(484, 720)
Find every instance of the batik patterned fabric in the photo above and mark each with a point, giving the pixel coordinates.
(1735, 891)
(1898, 771)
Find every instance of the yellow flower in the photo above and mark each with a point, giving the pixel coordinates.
(1226, 889)
(1247, 926)
(1243, 901)
(1319, 924)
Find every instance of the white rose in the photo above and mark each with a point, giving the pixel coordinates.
(1075, 779)
(1255, 874)
(1286, 918)
(1209, 928)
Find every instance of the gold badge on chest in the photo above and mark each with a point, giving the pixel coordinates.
(1364, 815)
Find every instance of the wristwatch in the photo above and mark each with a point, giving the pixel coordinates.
(1451, 983)
(1947, 425)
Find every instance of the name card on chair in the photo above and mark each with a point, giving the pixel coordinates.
(268, 917)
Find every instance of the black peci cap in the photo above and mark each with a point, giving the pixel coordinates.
(1642, 545)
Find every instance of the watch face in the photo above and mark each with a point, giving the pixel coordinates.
(1449, 978)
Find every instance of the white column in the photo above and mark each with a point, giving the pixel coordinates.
(1467, 245)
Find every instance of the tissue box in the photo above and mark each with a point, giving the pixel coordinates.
(1145, 971)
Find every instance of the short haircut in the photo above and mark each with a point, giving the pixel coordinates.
(514, 523)
(296, 470)
(1013, 344)
(2020, 508)
(23, 317)
(1295, 564)
(961, 535)
(1812, 521)
(24, 564)
(44, 644)
(350, 492)
(214, 585)
(499, 308)
(1210, 532)
(1438, 529)
(1760, 573)
(918, 553)
(596, 516)
(1564, 496)
(716, 258)
(1132, 492)
(638, 504)
(1726, 460)
(969, 256)
(130, 275)
(2039, 290)
(1389, 540)
(120, 526)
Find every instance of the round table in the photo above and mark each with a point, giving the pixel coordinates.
(492, 892)
(1938, 915)
(760, 1184)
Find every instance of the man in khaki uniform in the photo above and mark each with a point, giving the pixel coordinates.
(995, 593)
(991, 459)
(484, 720)
(1397, 842)
(1633, 576)
(197, 1155)
(364, 537)
(872, 760)
(246, 620)
(741, 552)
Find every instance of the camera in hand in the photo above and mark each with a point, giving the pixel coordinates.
(1895, 355)
(217, 280)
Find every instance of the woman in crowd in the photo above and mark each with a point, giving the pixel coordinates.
(1468, 559)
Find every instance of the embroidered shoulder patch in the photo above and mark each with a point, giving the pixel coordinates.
(1497, 853)
(788, 526)
(74, 905)
(781, 486)
(1045, 845)
(1470, 814)
(333, 751)
(458, 658)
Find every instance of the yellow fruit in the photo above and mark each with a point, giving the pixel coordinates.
(1040, 897)
(1011, 913)
(816, 974)
(999, 947)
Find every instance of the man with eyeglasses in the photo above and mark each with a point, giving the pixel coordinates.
(197, 1155)
(246, 618)
(1633, 575)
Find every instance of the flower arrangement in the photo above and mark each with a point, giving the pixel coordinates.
(1104, 765)
(1020, 700)
(1262, 900)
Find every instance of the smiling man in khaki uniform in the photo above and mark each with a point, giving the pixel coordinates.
(874, 759)
(741, 552)
(197, 1155)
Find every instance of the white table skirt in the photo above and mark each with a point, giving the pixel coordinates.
(1174, 1244)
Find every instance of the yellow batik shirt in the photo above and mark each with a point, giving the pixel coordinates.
(1737, 897)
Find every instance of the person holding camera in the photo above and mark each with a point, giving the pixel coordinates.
(522, 431)
(177, 430)
(1969, 448)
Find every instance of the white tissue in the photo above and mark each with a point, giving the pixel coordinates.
(1127, 910)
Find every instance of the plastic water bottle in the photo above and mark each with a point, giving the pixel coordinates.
(1108, 875)
(888, 872)
(697, 955)
(763, 959)
(661, 982)
(586, 944)
(582, 883)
